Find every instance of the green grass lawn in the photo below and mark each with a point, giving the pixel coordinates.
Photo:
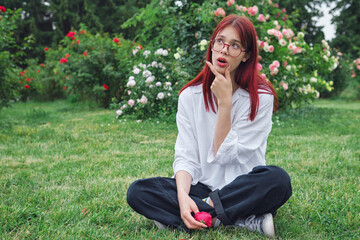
(58, 159)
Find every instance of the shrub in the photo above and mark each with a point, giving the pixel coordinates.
(298, 71)
(8, 78)
(86, 67)
(153, 83)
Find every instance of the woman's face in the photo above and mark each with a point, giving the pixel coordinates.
(221, 59)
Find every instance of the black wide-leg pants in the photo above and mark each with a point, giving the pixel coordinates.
(263, 190)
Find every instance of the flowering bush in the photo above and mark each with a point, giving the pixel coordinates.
(9, 84)
(85, 67)
(153, 83)
(298, 71)
(355, 74)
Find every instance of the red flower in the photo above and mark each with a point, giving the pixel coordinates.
(65, 89)
(21, 73)
(203, 217)
(43, 65)
(85, 54)
(38, 71)
(28, 79)
(2, 9)
(71, 34)
(73, 38)
(84, 211)
(106, 87)
(46, 48)
(83, 32)
(63, 60)
(27, 86)
(67, 55)
(116, 40)
(78, 41)
(141, 48)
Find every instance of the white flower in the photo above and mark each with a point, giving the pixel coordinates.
(288, 67)
(326, 58)
(160, 65)
(169, 94)
(158, 84)
(165, 53)
(282, 42)
(301, 35)
(131, 83)
(119, 112)
(154, 64)
(168, 84)
(178, 4)
(313, 80)
(146, 53)
(134, 51)
(131, 78)
(149, 79)
(159, 51)
(270, 31)
(142, 65)
(146, 74)
(177, 55)
(203, 43)
(160, 95)
(136, 71)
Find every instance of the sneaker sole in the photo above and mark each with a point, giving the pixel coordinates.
(268, 225)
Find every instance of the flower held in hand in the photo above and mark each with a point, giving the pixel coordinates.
(203, 217)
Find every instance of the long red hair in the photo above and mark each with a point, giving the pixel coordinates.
(247, 75)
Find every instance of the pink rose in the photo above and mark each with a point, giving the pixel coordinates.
(261, 17)
(259, 66)
(131, 102)
(203, 217)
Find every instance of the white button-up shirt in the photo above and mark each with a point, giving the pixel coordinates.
(243, 148)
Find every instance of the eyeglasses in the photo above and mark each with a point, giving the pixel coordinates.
(234, 49)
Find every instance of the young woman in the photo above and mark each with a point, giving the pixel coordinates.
(223, 119)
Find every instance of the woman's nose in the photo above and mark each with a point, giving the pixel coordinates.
(225, 49)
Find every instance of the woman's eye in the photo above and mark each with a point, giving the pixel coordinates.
(219, 40)
(235, 45)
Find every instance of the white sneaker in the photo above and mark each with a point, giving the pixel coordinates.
(159, 225)
(263, 224)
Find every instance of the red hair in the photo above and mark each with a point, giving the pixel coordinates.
(247, 75)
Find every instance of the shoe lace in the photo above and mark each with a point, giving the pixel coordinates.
(253, 223)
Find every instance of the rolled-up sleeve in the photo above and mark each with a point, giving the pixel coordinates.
(246, 137)
(186, 147)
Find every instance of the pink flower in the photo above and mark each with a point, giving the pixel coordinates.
(230, 2)
(263, 75)
(131, 102)
(84, 211)
(143, 99)
(285, 63)
(67, 55)
(85, 54)
(261, 18)
(283, 10)
(276, 63)
(259, 66)
(78, 41)
(220, 11)
(284, 85)
(253, 10)
(271, 48)
(203, 217)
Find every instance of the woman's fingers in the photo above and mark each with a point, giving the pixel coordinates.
(212, 68)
